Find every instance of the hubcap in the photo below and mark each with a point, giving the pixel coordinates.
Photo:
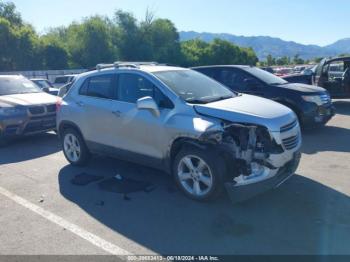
(72, 147)
(195, 175)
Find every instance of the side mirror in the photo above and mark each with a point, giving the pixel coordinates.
(148, 103)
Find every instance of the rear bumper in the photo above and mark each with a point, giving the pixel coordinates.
(242, 193)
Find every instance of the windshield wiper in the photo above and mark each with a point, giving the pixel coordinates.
(215, 99)
(278, 84)
(196, 101)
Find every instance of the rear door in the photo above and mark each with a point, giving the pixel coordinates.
(95, 102)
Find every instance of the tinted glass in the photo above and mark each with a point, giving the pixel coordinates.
(17, 85)
(42, 83)
(194, 87)
(233, 78)
(98, 86)
(266, 77)
(61, 80)
(132, 87)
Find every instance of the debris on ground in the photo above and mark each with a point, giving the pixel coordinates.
(85, 179)
(125, 186)
(41, 199)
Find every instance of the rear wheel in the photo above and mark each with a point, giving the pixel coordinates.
(74, 147)
(199, 173)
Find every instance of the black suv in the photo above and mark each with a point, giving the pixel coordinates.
(312, 104)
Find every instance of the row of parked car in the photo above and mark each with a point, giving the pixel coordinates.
(212, 128)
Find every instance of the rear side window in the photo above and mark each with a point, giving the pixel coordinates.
(98, 86)
(132, 87)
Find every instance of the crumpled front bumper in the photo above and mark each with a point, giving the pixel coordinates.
(242, 193)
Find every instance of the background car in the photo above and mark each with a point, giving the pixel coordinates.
(24, 108)
(45, 85)
(63, 80)
(334, 75)
(312, 104)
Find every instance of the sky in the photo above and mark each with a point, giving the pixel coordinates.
(320, 22)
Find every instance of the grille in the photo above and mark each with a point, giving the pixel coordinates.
(291, 142)
(51, 108)
(289, 126)
(326, 99)
(37, 110)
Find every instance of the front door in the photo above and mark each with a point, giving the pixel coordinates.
(240, 81)
(139, 132)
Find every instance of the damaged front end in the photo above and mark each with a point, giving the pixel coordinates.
(255, 161)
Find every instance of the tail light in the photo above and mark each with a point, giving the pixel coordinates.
(58, 104)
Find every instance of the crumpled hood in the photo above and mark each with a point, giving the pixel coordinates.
(250, 110)
(27, 99)
(303, 88)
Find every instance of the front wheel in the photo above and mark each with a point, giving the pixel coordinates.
(199, 174)
(74, 148)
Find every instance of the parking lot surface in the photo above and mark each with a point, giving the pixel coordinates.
(44, 212)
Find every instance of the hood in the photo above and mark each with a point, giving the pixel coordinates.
(27, 99)
(250, 110)
(303, 88)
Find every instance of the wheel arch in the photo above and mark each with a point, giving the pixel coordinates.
(64, 125)
(292, 106)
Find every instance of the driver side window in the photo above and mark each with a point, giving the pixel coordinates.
(132, 87)
(237, 80)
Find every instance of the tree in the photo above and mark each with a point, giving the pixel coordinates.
(194, 53)
(89, 43)
(8, 11)
(7, 42)
(283, 61)
(126, 36)
(270, 60)
(165, 41)
(297, 60)
(54, 56)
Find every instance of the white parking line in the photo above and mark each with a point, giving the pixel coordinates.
(93, 239)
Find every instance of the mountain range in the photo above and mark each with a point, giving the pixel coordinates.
(265, 45)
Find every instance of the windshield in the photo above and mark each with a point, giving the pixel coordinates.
(194, 87)
(266, 77)
(17, 85)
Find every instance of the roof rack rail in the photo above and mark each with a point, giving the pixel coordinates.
(120, 64)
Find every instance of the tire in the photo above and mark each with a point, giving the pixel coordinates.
(209, 179)
(74, 148)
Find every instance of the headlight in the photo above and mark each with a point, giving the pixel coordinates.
(313, 99)
(9, 111)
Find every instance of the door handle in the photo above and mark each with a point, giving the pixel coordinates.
(117, 113)
(81, 104)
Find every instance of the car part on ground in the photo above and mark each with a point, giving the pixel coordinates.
(179, 121)
(313, 112)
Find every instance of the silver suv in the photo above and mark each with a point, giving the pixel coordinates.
(182, 122)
